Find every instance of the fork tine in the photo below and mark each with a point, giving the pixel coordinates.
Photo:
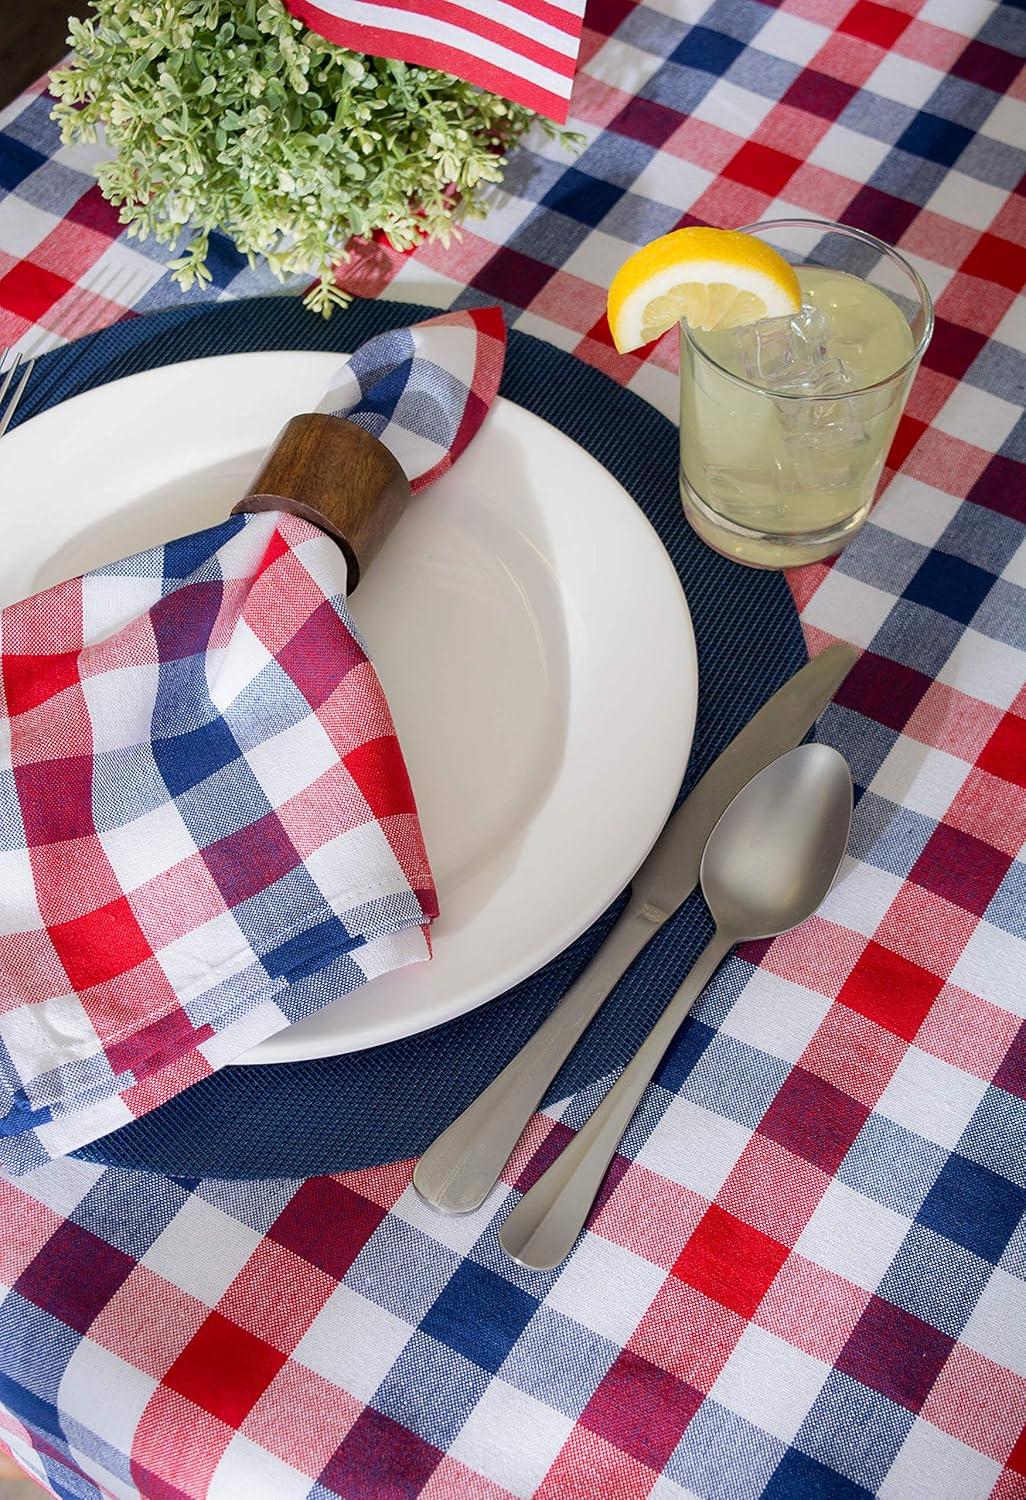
(112, 282)
(6, 385)
(19, 391)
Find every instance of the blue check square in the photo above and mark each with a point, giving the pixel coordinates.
(480, 1315)
(581, 197)
(708, 50)
(974, 1207)
(935, 138)
(17, 161)
(187, 759)
(950, 585)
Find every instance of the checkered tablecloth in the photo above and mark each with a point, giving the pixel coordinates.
(806, 1277)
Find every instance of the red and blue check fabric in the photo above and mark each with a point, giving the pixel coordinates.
(806, 1279)
(207, 826)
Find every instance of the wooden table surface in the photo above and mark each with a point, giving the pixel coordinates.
(32, 39)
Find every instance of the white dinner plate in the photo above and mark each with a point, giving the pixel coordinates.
(528, 626)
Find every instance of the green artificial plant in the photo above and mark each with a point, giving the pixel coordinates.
(232, 115)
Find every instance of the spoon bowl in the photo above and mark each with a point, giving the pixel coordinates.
(773, 855)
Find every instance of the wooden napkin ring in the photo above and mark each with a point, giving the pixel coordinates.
(338, 476)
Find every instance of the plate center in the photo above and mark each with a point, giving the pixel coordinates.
(462, 621)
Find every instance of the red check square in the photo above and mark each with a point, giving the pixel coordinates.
(320, 1414)
(773, 1189)
(762, 167)
(978, 1402)
(641, 1409)
(730, 1261)
(687, 1333)
(31, 680)
(891, 991)
(967, 1032)
(1004, 754)
(31, 291)
(812, 1308)
(380, 772)
(101, 945)
(853, 1053)
(875, 23)
(587, 1465)
(997, 259)
(302, 1225)
(814, 1119)
(276, 1295)
(224, 1369)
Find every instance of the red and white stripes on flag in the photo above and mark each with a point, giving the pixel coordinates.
(525, 50)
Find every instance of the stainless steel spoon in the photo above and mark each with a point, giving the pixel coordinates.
(767, 865)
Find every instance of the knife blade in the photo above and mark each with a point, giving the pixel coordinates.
(459, 1170)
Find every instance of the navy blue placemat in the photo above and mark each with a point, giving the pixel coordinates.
(387, 1103)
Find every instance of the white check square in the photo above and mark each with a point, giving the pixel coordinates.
(931, 1098)
(775, 1016)
(353, 1342)
(180, 1252)
(694, 1146)
(995, 1326)
(291, 761)
(606, 1288)
(977, 417)
(915, 776)
(266, 1476)
(849, 153)
(105, 1394)
(902, 78)
(852, 1235)
(23, 226)
(914, 510)
(932, 1465)
(966, 200)
(511, 1438)
(770, 1383)
(860, 897)
(148, 846)
(736, 109)
(791, 37)
(848, 608)
(1007, 122)
(984, 668)
(19, 909)
(957, 15)
(992, 965)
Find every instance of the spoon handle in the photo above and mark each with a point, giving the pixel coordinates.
(542, 1228)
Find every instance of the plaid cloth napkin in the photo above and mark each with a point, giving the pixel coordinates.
(207, 830)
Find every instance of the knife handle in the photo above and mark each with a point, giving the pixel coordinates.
(339, 477)
(459, 1170)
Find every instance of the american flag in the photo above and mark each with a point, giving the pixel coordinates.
(525, 50)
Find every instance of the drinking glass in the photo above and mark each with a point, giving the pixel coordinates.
(773, 476)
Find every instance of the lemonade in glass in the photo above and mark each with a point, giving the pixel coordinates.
(789, 398)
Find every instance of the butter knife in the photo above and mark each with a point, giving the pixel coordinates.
(459, 1170)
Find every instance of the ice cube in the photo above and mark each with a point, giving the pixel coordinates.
(828, 378)
(825, 441)
(779, 352)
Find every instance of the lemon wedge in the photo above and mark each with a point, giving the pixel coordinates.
(715, 278)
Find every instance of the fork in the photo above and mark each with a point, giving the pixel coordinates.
(26, 366)
(121, 283)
